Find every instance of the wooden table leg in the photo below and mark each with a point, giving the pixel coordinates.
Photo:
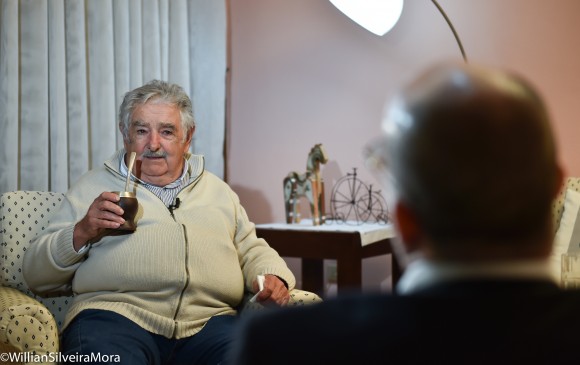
(349, 274)
(313, 276)
(396, 270)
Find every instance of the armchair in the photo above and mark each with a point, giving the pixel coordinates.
(572, 183)
(29, 323)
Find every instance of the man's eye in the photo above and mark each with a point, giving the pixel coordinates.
(141, 131)
(167, 132)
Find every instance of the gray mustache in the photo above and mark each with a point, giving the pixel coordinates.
(161, 154)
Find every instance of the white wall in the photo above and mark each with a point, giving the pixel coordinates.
(302, 73)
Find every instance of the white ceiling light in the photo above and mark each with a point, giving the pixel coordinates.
(377, 16)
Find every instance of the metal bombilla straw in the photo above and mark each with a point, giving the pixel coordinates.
(130, 170)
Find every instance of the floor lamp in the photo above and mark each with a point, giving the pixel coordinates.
(380, 16)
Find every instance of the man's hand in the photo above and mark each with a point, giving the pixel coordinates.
(103, 214)
(275, 292)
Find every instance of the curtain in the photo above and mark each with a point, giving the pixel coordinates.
(66, 64)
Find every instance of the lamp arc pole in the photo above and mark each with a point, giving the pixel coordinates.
(452, 29)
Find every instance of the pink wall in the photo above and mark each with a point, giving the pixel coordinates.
(302, 73)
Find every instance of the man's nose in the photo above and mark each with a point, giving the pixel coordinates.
(154, 141)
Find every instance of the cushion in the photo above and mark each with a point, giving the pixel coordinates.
(567, 237)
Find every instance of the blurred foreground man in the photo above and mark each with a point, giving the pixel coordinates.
(471, 159)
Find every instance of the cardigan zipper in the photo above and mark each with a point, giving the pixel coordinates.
(186, 281)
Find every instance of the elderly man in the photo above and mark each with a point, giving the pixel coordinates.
(166, 293)
(471, 159)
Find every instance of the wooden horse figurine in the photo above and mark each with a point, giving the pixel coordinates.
(309, 185)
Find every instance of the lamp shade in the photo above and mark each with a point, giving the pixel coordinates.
(377, 16)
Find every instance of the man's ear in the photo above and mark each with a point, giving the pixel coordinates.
(188, 139)
(125, 139)
(411, 235)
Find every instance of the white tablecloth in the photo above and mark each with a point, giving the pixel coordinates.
(369, 232)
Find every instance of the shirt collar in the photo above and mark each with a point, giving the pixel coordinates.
(423, 273)
(183, 178)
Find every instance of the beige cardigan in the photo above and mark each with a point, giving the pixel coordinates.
(174, 272)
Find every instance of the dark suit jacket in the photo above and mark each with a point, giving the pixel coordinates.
(470, 322)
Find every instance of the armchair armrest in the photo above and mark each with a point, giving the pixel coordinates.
(297, 297)
(25, 324)
(303, 297)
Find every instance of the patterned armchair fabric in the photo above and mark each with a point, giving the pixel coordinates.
(572, 183)
(29, 323)
(25, 325)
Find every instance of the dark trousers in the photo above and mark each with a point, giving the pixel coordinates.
(108, 337)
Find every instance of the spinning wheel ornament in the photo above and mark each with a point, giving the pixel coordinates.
(354, 202)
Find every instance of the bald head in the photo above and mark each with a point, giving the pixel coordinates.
(472, 155)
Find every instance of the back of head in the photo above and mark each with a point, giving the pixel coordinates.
(473, 156)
